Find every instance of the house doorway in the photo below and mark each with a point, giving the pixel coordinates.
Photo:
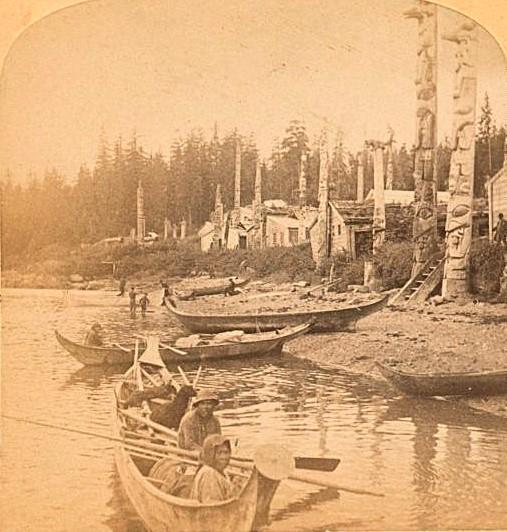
(363, 243)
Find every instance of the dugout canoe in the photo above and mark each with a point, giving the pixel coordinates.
(161, 511)
(209, 290)
(258, 344)
(443, 384)
(338, 319)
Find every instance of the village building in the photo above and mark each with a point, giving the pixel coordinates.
(497, 196)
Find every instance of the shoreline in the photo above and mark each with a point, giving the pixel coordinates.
(451, 337)
(422, 340)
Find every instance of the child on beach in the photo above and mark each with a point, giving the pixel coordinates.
(143, 303)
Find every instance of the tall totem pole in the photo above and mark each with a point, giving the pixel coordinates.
(379, 207)
(237, 184)
(458, 226)
(141, 221)
(323, 214)
(257, 206)
(218, 219)
(425, 215)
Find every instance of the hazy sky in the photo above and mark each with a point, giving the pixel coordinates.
(163, 68)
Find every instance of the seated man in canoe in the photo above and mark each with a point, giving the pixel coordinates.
(211, 482)
(200, 422)
(94, 336)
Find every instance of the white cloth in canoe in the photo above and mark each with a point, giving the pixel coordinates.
(220, 338)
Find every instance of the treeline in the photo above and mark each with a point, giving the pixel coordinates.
(101, 201)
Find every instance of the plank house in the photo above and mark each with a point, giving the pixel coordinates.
(497, 197)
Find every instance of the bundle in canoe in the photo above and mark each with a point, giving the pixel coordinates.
(336, 319)
(442, 384)
(160, 509)
(257, 344)
(210, 290)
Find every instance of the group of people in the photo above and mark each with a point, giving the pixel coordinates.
(143, 301)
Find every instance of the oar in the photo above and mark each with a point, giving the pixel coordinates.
(184, 376)
(173, 349)
(121, 347)
(299, 476)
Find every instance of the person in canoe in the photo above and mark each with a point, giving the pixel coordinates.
(94, 336)
(200, 422)
(211, 482)
(143, 303)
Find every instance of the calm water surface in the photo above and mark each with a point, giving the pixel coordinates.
(439, 465)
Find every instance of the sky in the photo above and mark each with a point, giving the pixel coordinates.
(164, 68)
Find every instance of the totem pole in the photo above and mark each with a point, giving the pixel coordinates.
(235, 215)
(461, 174)
(390, 165)
(302, 181)
(218, 218)
(360, 177)
(323, 214)
(141, 222)
(257, 206)
(425, 215)
(379, 209)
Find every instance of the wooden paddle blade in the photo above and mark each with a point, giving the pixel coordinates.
(316, 464)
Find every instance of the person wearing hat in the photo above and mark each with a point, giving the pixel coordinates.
(94, 337)
(199, 422)
(212, 483)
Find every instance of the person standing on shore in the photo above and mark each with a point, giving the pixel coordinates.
(143, 303)
(500, 230)
(133, 302)
(166, 293)
(123, 283)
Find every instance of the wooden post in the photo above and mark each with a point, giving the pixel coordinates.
(379, 209)
(360, 177)
(425, 216)
(235, 215)
(141, 222)
(323, 214)
(461, 175)
(257, 205)
(302, 181)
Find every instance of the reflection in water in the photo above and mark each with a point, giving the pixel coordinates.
(436, 462)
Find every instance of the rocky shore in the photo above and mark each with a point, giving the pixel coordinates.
(451, 337)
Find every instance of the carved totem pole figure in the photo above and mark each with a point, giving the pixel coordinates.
(379, 208)
(302, 180)
(141, 222)
(425, 216)
(360, 177)
(237, 185)
(461, 174)
(323, 214)
(257, 206)
(218, 218)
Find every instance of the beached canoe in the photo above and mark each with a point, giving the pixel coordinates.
(160, 510)
(338, 319)
(442, 384)
(209, 290)
(257, 344)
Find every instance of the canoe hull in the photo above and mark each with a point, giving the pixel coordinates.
(323, 320)
(261, 345)
(210, 290)
(441, 384)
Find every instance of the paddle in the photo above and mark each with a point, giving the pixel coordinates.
(165, 346)
(299, 476)
(121, 347)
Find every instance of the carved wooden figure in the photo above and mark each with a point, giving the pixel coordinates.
(461, 173)
(323, 215)
(425, 216)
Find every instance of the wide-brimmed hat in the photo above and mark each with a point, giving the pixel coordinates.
(206, 395)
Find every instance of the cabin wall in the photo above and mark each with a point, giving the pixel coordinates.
(339, 236)
(499, 197)
(281, 233)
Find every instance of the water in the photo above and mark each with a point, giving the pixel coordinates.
(439, 465)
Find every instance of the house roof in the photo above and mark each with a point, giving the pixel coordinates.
(206, 229)
(404, 197)
(352, 212)
(284, 220)
(498, 175)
